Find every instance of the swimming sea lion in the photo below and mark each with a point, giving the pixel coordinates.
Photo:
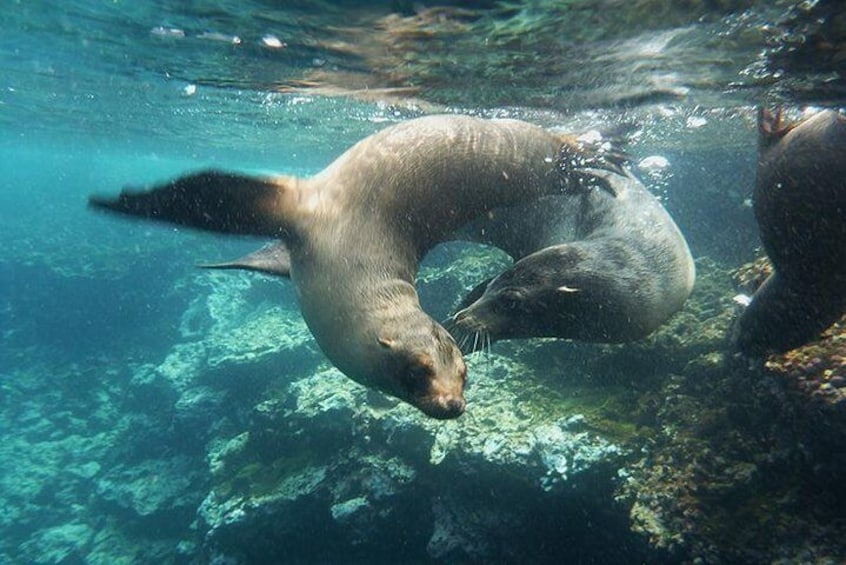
(800, 207)
(357, 230)
(593, 265)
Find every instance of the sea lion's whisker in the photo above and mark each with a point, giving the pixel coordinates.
(463, 341)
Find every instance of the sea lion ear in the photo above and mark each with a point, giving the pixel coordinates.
(386, 342)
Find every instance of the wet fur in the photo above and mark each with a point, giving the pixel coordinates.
(800, 207)
(593, 265)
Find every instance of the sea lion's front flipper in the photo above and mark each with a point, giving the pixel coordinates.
(273, 259)
(213, 201)
(782, 316)
(772, 126)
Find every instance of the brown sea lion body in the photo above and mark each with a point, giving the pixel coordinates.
(357, 230)
(592, 265)
(800, 207)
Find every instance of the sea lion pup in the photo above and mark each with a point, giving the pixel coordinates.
(593, 265)
(357, 230)
(800, 207)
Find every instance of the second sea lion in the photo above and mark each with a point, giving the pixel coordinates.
(593, 265)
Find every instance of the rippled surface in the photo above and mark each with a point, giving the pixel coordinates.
(211, 72)
(110, 93)
(95, 95)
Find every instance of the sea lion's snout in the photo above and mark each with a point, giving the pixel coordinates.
(444, 408)
(443, 396)
(465, 319)
(427, 371)
(477, 325)
(478, 317)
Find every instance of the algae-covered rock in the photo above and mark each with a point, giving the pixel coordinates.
(663, 450)
(151, 487)
(325, 446)
(553, 425)
(746, 463)
(59, 544)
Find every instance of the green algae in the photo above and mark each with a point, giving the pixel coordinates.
(254, 478)
(610, 411)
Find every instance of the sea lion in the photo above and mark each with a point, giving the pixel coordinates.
(592, 265)
(356, 231)
(800, 208)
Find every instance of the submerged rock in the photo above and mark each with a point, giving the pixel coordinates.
(320, 448)
(662, 450)
(59, 544)
(151, 487)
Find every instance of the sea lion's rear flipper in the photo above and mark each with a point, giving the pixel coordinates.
(213, 201)
(782, 317)
(592, 150)
(273, 259)
(613, 182)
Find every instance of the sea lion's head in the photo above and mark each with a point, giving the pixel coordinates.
(543, 294)
(421, 364)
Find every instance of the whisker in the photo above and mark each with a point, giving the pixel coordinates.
(462, 339)
(489, 355)
(464, 342)
(475, 342)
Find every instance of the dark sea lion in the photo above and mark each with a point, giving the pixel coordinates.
(800, 207)
(593, 265)
(357, 230)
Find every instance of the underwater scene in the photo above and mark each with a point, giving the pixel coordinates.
(523, 281)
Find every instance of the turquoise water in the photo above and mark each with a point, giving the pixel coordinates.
(131, 382)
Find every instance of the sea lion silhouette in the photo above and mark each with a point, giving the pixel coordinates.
(800, 207)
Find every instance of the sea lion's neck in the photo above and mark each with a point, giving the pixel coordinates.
(349, 306)
(424, 179)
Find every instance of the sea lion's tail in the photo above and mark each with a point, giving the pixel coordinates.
(214, 201)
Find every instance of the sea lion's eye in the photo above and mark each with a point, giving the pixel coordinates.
(418, 372)
(417, 376)
(421, 367)
(509, 299)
